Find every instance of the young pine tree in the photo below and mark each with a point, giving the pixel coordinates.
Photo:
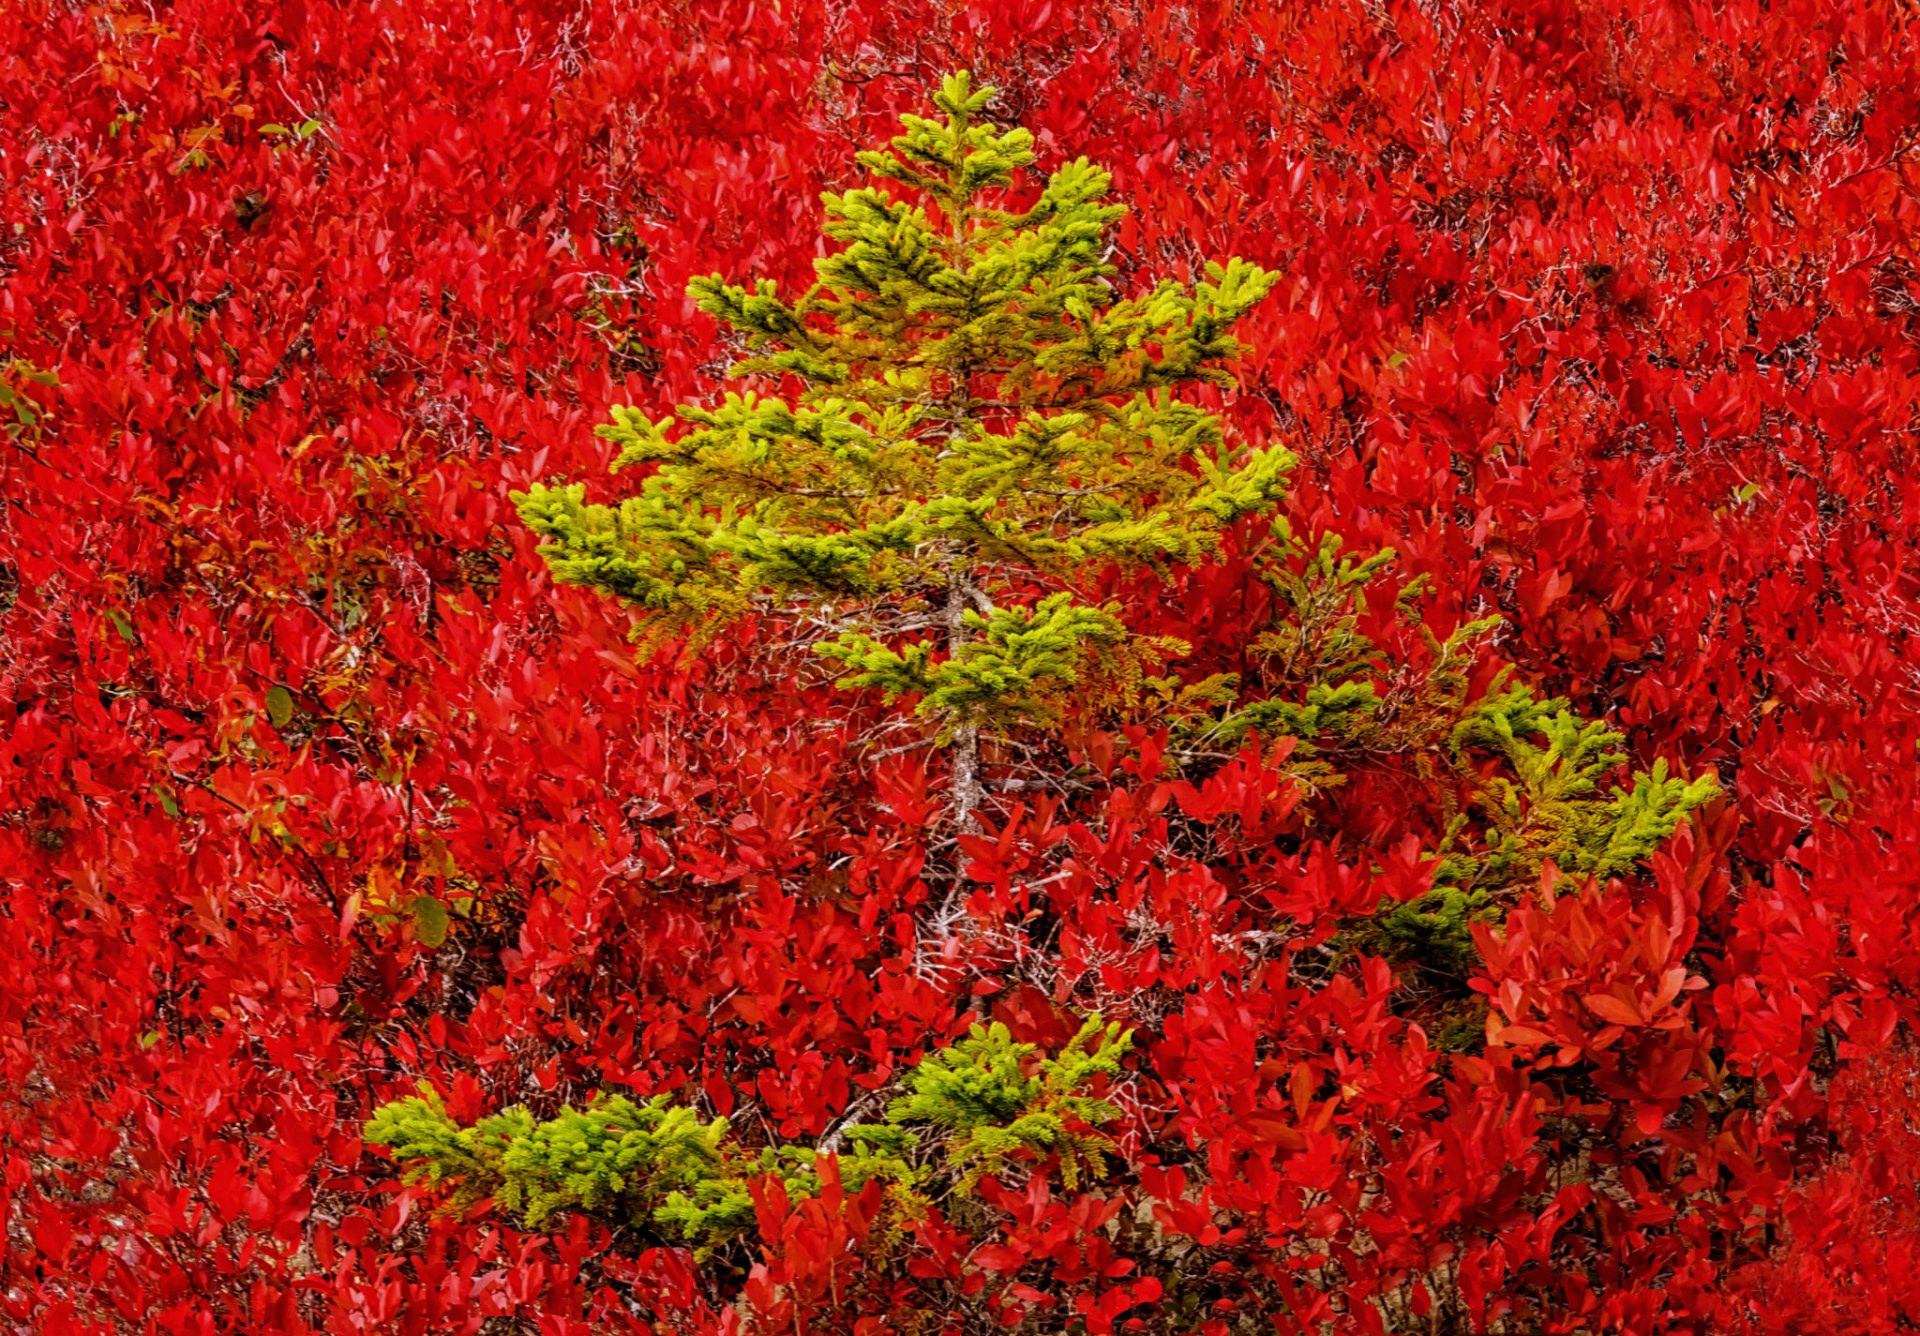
(975, 422)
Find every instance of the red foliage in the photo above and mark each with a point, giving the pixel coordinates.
(1604, 315)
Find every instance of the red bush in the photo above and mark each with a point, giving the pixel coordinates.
(1603, 315)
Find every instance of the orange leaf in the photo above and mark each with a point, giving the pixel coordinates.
(1614, 1010)
(1521, 1034)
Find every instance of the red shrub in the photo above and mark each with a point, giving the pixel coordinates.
(1604, 316)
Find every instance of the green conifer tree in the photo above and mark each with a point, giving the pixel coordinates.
(985, 1105)
(981, 422)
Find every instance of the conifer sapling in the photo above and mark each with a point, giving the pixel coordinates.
(976, 422)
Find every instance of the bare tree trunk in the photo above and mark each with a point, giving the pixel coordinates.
(965, 794)
(964, 790)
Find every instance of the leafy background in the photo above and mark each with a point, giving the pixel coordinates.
(1601, 315)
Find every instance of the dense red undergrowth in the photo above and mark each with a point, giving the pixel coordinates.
(1603, 315)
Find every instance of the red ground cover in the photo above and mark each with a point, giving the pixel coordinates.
(1604, 315)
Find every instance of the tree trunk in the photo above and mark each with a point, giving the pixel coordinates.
(964, 791)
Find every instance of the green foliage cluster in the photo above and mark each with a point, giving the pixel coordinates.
(586, 1159)
(992, 1110)
(1318, 673)
(1520, 778)
(1547, 805)
(1015, 654)
(978, 1107)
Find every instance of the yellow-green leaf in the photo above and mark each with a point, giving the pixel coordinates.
(429, 921)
